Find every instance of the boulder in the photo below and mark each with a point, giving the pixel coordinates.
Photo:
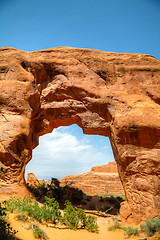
(32, 180)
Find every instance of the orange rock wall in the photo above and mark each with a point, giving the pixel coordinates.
(110, 167)
(100, 180)
(110, 94)
(32, 180)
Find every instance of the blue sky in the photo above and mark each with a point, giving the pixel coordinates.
(68, 151)
(115, 26)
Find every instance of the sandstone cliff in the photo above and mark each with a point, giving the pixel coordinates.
(100, 180)
(111, 167)
(111, 94)
(32, 180)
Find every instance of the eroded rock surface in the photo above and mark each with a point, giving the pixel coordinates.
(110, 94)
(110, 167)
(32, 180)
(100, 180)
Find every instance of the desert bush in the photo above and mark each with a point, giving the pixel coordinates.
(150, 227)
(73, 218)
(50, 212)
(18, 204)
(22, 217)
(129, 231)
(116, 225)
(38, 233)
(82, 217)
(70, 217)
(51, 206)
(6, 231)
(91, 224)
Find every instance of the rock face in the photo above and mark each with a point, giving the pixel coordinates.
(111, 167)
(110, 94)
(100, 180)
(32, 180)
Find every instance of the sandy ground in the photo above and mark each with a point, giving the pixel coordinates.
(67, 234)
(64, 234)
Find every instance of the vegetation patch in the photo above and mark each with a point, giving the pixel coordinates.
(54, 190)
(38, 233)
(149, 228)
(130, 231)
(50, 212)
(116, 225)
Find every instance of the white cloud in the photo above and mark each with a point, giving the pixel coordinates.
(62, 146)
(64, 142)
(61, 153)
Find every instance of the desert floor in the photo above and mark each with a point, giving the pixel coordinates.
(66, 234)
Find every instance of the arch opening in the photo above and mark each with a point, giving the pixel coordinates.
(67, 151)
(82, 164)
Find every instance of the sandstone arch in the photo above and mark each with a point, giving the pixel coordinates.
(110, 94)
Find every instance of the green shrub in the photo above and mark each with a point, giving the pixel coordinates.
(91, 224)
(50, 212)
(22, 217)
(51, 207)
(82, 217)
(116, 225)
(131, 231)
(38, 233)
(70, 217)
(6, 231)
(150, 227)
(73, 218)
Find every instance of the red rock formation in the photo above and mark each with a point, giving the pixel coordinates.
(111, 167)
(32, 180)
(110, 94)
(100, 180)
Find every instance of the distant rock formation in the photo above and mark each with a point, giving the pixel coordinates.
(111, 167)
(32, 180)
(100, 180)
(109, 94)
